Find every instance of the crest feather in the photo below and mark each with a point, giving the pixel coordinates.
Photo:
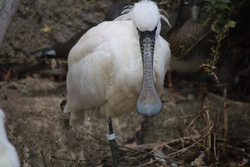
(126, 14)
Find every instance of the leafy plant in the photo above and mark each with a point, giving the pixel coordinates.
(221, 18)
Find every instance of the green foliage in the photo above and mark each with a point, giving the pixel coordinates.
(221, 18)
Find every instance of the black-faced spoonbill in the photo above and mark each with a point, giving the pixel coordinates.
(8, 154)
(119, 67)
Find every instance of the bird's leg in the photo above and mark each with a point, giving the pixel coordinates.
(170, 85)
(112, 142)
(173, 96)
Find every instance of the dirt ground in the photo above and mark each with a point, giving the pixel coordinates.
(35, 123)
(41, 133)
(182, 133)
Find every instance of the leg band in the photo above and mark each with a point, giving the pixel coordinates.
(110, 136)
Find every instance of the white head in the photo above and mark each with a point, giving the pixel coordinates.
(146, 16)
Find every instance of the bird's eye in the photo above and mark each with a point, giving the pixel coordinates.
(186, 2)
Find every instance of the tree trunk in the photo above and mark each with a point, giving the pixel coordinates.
(8, 9)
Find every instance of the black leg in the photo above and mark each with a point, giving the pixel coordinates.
(113, 144)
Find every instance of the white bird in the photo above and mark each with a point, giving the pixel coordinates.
(119, 67)
(8, 153)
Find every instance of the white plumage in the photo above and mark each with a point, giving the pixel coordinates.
(105, 67)
(8, 154)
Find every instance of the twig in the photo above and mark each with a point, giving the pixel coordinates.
(51, 162)
(207, 122)
(215, 148)
(43, 157)
(147, 163)
(210, 70)
(225, 113)
(209, 133)
(242, 150)
(167, 158)
(210, 126)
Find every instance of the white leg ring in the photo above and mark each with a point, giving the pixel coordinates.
(110, 136)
